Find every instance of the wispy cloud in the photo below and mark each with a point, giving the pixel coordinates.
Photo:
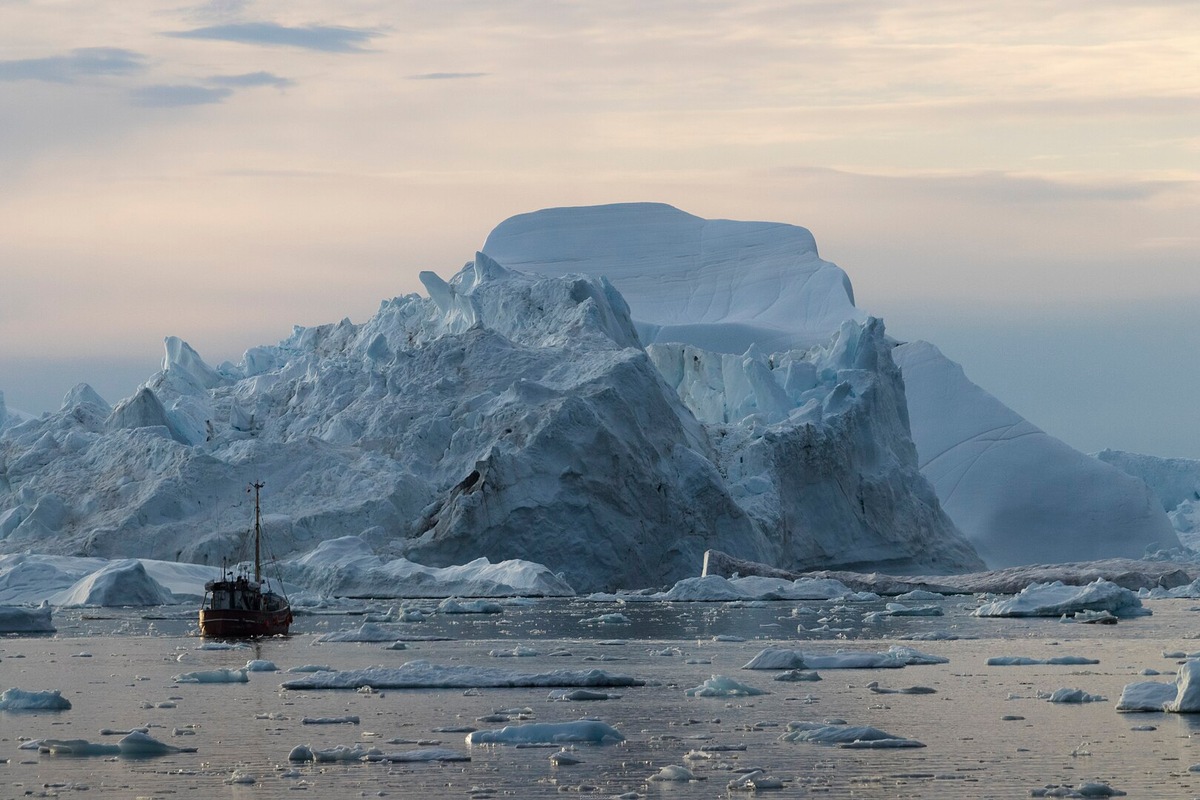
(330, 39)
(250, 80)
(81, 63)
(174, 96)
(445, 76)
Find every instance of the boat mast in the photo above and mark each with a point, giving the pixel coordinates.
(257, 536)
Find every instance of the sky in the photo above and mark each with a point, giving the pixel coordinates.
(1018, 183)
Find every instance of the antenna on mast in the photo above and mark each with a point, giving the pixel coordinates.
(257, 534)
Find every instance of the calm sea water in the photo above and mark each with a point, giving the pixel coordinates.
(116, 667)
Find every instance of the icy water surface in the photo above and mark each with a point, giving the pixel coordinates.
(986, 732)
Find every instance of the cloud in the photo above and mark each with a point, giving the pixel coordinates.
(174, 96)
(445, 76)
(81, 63)
(250, 79)
(326, 38)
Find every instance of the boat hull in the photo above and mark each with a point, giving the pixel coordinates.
(230, 623)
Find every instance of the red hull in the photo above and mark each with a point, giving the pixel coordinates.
(229, 623)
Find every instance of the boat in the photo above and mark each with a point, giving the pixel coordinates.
(243, 606)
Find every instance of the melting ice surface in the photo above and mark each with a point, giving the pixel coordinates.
(936, 720)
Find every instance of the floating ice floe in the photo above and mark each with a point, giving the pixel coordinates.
(674, 773)
(1180, 697)
(844, 735)
(897, 656)
(134, 745)
(23, 619)
(222, 675)
(1074, 696)
(755, 781)
(343, 720)
(581, 695)
(424, 675)
(584, 730)
(1025, 661)
(607, 619)
(1056, 599)
(722, 686)
(798, 676)
(715, 588)
(20, 700)
(260, 665)
(312, 668)
(452, 605)
(1090, 790)
(367, 632)
(519, 651)
(877, 689)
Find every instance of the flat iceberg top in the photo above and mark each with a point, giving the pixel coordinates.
(718, 284)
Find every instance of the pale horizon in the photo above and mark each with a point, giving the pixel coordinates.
(1018, 185)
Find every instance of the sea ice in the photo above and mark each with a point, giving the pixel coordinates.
(584, 730)
(1023, 661)
(722, 686)
(674, 773)
(825, 733)
(221, 675)
(896, 657)
(260, 665)
(1074, 696)
(424, 675)
(1055, 599)
(453, 605)
(367, 632)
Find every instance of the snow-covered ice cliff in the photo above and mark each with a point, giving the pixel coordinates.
(1174, 481)
(1018, 494)
(506, 415)
(516, 415)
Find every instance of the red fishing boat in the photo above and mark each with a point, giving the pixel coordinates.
(241, 606)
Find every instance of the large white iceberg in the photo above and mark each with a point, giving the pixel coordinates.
(120, 583)
(740, 290)
(1180, 697)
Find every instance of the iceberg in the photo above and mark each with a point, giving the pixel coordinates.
(20, 619)
(19, 700)
(1018, 494)
(119, 583)
(1056, 599)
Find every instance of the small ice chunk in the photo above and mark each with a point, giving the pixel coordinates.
(260, 665)
(343, 720)
(607, 619)
(452, 605)
(222, 675)
(674, 773)
(722, 686)
(519, 651)
(1075, 696)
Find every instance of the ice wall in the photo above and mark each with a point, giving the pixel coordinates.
(1020, 495)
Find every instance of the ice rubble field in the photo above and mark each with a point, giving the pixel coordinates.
(633, 697)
